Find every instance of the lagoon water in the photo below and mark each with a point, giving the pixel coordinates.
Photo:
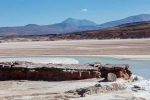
(138, 67)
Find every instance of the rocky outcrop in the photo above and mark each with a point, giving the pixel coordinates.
(21, 70)
(58, 72)
(111, 71)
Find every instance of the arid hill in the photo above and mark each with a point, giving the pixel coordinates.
(130, 30)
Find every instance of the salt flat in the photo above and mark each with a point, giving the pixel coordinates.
(77, 47)
(44, 90)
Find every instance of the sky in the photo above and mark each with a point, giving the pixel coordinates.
(45, 12)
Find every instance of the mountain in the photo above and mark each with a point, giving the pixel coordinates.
(79, 22)
(124, 31)
(131, 19)
(67, 26)
(63, 27)
(33, 29)
(58, 28)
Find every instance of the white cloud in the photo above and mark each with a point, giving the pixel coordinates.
(84, 10)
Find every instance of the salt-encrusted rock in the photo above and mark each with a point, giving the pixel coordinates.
(136, 86)
(22, 70)
(120, 70)
(111, 77)
(36, 71)
(135, 79)
(98, 85)
(114, 67)
(135, 98)
(97, 64)
(83, 92)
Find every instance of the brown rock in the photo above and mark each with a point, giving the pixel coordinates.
(76, 75)
(95, 74)
(125, 74)
(85, 74)
(17, 74)
(1, 65)
(20, 70)
(120, 70)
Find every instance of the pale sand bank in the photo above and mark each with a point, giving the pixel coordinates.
(77, 47)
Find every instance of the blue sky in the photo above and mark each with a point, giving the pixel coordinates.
(44, 12)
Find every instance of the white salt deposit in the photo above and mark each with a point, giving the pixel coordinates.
(42, 60)
(125, 94)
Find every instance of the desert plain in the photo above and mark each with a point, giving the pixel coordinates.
(77, 47)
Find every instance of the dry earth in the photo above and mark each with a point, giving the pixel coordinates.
(77, 47)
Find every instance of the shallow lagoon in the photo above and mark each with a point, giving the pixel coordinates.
(138, 67)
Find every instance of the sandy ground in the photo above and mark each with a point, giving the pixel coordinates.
(34, 89)
(31, 90)
(78, 47)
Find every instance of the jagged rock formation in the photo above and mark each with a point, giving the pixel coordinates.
(21, 70)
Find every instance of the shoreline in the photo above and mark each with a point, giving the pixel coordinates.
(130, 57)
(55, 60)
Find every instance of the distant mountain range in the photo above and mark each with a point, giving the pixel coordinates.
(124, 31)
(131, 19)
(68, 25)
(78, 22)
(58, 28)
